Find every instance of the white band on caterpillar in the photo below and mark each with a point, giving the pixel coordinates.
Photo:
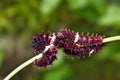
(91, 52)
(53, 38)
(47, 47)
(51, 43)
(76, 37)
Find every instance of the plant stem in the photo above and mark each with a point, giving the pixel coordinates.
(109, 39)
(22, 66)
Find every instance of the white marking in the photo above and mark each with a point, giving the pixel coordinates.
(47, 47)
(91, 52)
(51, 43)
(53, 38)
(76, 37)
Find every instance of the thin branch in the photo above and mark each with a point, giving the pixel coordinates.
(22, 66)
(109, 39)
(40, 55)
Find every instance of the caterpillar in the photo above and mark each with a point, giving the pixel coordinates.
(81, 39)
(79, 44)
(48, 57)
(72, 43)
(40, 41)
(44, 43)
(77, 50)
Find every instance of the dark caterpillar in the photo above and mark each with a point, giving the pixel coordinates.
(44, 43)
(71, 42)
(81, 39)
(48, 57)
(76, 50)
(78, 44)
(40, 41)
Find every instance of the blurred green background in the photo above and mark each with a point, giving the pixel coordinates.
(21, 19)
